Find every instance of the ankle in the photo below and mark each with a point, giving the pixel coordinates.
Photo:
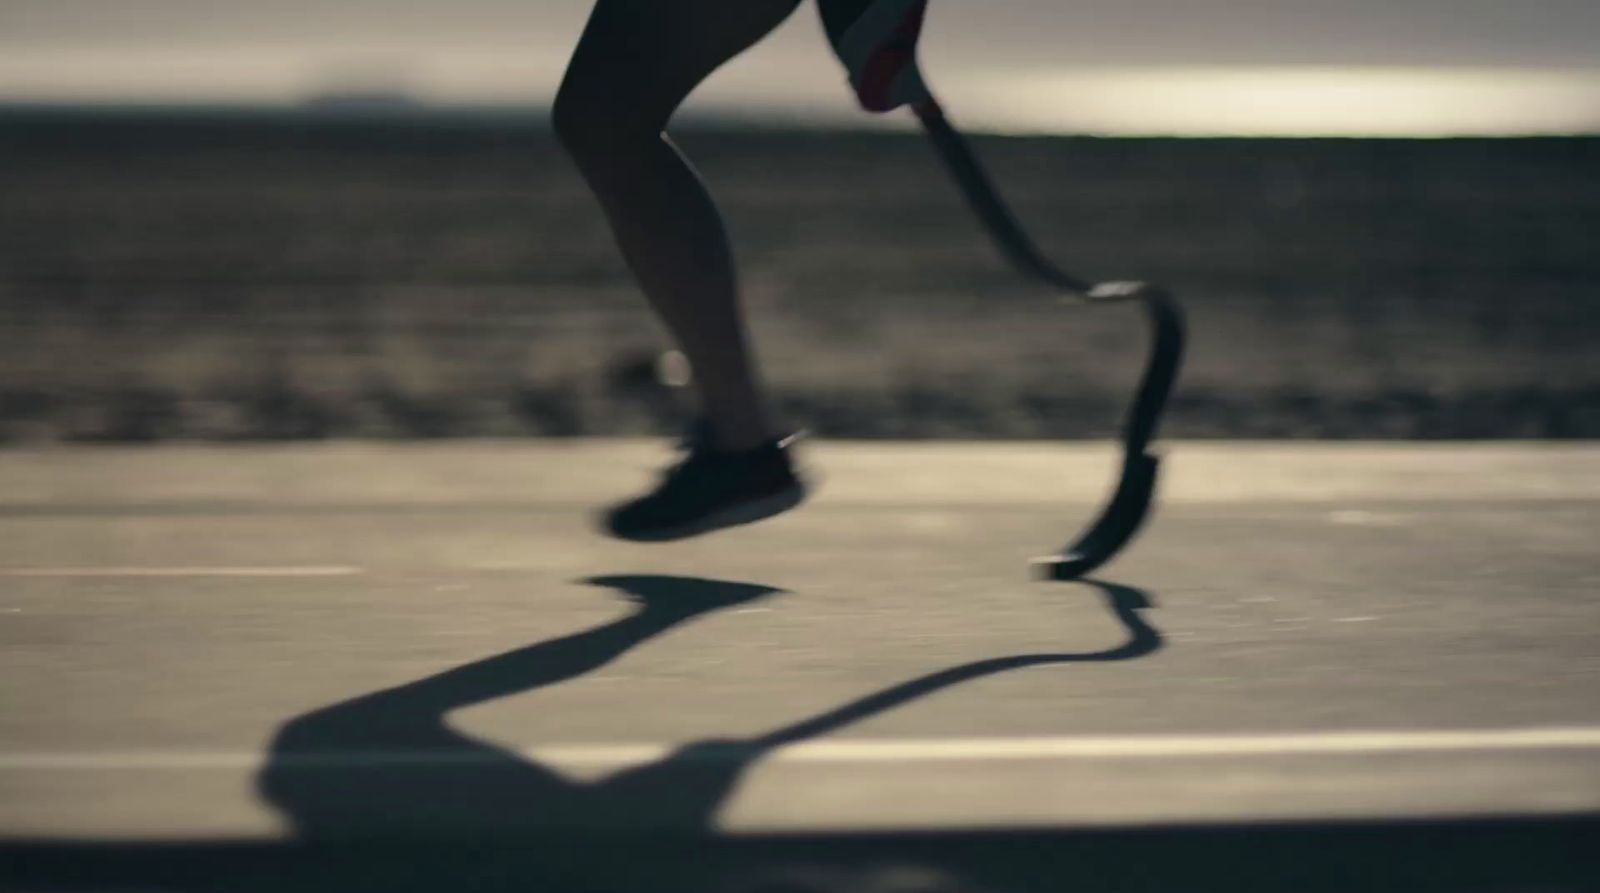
(742, 446)
(738, 439)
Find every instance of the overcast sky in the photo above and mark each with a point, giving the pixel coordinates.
(1489, 65)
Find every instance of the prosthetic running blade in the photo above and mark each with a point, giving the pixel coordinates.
(877, 42)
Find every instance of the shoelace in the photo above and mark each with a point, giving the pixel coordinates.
(696, 433)
(677, 475)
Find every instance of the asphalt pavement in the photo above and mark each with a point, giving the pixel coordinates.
(234, 653)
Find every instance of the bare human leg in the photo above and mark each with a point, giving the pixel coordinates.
(635, 64)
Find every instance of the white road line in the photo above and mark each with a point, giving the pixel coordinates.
(866, 751)
(286, 571)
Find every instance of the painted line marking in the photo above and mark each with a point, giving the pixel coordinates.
(286, 571)
(867, 751)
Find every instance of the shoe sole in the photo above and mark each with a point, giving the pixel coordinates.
(744, 513)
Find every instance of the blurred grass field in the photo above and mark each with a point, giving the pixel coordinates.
(236, 277)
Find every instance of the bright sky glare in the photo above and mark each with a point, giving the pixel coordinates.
(1352, 67)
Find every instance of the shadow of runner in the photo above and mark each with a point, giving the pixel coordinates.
(390, 809)
(386, 766)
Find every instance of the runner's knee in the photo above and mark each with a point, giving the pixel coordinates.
(598, 131)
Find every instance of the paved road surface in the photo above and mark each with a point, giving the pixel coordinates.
(206, 648)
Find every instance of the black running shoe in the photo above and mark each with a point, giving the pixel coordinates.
(709, 490)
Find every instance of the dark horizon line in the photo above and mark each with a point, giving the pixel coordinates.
(535, 116)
